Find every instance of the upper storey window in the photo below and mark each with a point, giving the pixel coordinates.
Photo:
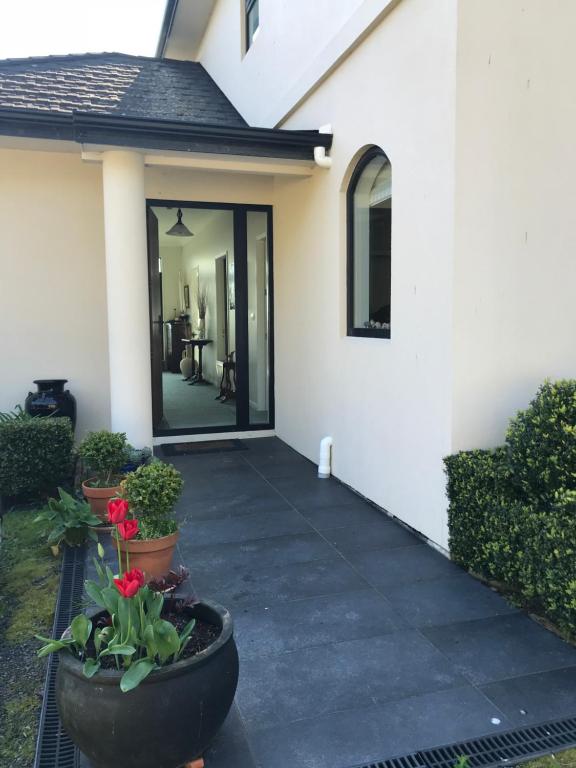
(252, 21)
(369, 246)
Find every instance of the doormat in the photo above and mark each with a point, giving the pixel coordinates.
(206, 446)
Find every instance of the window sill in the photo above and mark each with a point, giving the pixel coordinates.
(369, 333)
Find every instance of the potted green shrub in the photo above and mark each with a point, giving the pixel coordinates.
(72, 521)
(150, 495)
(143, 681)
(103, 453)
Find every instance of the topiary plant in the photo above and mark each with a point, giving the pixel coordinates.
(104, 453)
(152, 492)
(542, 442)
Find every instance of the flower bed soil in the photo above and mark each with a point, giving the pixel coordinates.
(203, 635)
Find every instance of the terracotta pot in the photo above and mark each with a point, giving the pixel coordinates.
(98, 498)
(152, 556)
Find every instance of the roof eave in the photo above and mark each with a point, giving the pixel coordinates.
(114, 130)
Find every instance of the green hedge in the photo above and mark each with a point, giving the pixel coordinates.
(512, 513)
(35, 455)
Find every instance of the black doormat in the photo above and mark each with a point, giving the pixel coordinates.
(206, 446)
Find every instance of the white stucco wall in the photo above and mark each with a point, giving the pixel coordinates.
(515, 270)
(296, 43)
(387, 403)
(52, 281)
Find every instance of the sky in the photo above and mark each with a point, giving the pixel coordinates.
(44, 27)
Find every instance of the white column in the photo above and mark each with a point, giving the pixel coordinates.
(127, 295)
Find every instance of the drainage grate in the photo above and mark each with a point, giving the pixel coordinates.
(507, 748)
(53, 748)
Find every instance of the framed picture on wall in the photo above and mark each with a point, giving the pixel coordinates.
(187, 296)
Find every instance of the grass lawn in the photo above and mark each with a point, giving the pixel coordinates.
(561, 760)
(28, 586)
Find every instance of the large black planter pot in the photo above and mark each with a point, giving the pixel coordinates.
(51, 399)
(168, 720)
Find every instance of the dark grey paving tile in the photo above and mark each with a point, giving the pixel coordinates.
(230, 748)
(262, 631)
(210, 488)
(536, 698)
(258, 525)
(358, 673)
(356, 512)
(502, 647)
(445, 601)
(385, 568)
(296, 469)
(236, 504)
(257, 553)
(354, 737)
(305, 494)
(379, 534)
(255, 585)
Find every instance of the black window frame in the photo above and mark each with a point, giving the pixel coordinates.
(249, 6)
(351, 329)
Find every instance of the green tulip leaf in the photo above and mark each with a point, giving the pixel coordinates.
(81, 628)
(135, 674)
(166, 639)
(110, 598)
(95, 593)
(119, 650)
(91, 666)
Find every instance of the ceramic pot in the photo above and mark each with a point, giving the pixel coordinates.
(98, 498)
(186, 366)
(168, 720)
(51, 400)
(152, 556)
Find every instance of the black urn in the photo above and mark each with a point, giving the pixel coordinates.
(51, 399)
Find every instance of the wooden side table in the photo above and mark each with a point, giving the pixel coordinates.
(200, 343)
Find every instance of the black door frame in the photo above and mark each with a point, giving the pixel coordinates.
(240, 211)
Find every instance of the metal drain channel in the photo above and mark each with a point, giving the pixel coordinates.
(53, 748)
(502, 749)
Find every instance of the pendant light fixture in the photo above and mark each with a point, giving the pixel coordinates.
(179, 229)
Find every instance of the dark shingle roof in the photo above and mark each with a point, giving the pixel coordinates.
(118, 85)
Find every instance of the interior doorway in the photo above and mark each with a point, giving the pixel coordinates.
(211, 315)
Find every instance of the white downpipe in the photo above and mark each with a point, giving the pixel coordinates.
(320, 157)
(325, 462)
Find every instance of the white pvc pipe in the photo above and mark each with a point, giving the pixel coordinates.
(320, 157)
(127, 295)
(325, 462)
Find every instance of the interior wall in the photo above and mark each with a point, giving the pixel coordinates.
(515, 270)
(214, 240)
(171, 267)
(386, 403)
(52, 286)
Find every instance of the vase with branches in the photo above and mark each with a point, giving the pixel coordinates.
(202, 304)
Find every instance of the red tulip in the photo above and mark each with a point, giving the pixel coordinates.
(128, 529)
(128, 586)
(135, 575)
(117, 510)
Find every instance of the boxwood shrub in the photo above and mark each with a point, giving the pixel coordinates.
(35, 455)
(512, 513)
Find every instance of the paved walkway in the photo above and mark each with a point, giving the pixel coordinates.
(357, 641)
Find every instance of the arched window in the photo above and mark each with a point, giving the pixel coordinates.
(369, 246)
